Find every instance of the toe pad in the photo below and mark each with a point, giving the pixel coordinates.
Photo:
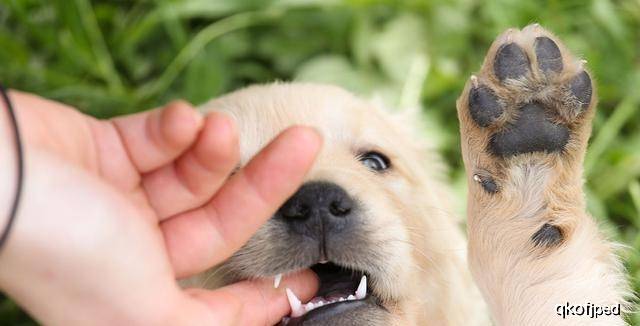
(510, 62)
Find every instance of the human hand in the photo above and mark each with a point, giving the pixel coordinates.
(113, 211)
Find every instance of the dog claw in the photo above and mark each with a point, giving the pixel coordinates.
(474, 81)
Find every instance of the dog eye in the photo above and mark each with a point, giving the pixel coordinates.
(375, 161)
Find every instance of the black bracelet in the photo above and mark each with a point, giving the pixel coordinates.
(20, 167)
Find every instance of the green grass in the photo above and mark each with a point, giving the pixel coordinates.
(114, 57)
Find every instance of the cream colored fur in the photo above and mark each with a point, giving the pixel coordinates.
(424, 278)
(522, 283)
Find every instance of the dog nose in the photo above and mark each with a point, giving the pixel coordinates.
(317, 206)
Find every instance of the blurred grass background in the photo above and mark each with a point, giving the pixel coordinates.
(115, 57)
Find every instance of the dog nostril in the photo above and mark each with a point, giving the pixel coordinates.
(295, 211)
(339, 208)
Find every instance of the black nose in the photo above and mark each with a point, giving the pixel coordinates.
(318, 207)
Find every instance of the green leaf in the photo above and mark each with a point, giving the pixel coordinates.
(337, 70)
(205, 77)
(401, 41)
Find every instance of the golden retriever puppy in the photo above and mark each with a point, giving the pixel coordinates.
(373, 218)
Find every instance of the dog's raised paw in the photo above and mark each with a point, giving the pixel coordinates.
(525, 121)
(530, 95)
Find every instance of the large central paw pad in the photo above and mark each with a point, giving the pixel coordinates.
(528, 95)
(530, 132)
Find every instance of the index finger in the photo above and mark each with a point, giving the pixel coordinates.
(199, 239)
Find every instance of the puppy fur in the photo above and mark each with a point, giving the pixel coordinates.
(521, 279)
(420, 269)
(532, 245)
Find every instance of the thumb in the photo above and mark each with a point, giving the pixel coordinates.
(254, 302)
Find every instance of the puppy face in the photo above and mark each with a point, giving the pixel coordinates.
(368, 220)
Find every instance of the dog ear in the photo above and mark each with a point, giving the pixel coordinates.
(409, 120)
(401, 115)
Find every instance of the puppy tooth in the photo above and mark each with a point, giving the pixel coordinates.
(341, 299)
(296, 305)
(276, 281)
(361, 292)
(351, 297)
(477, 178)
(309, 306)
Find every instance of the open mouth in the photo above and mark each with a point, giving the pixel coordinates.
(341, 290)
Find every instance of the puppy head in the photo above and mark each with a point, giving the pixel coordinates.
(369, 207)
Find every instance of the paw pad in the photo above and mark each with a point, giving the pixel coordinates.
(484, 106)
(510, 62)
(531, 132)
(548, 53)
(581, 88)
(547, 236)
(487, 183)
(535, 111)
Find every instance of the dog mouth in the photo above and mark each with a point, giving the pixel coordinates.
(342, 290)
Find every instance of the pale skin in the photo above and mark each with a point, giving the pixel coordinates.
(114, 211)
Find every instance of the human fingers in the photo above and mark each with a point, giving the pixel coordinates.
(198, 173)
(154, 138)
(198, 239)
